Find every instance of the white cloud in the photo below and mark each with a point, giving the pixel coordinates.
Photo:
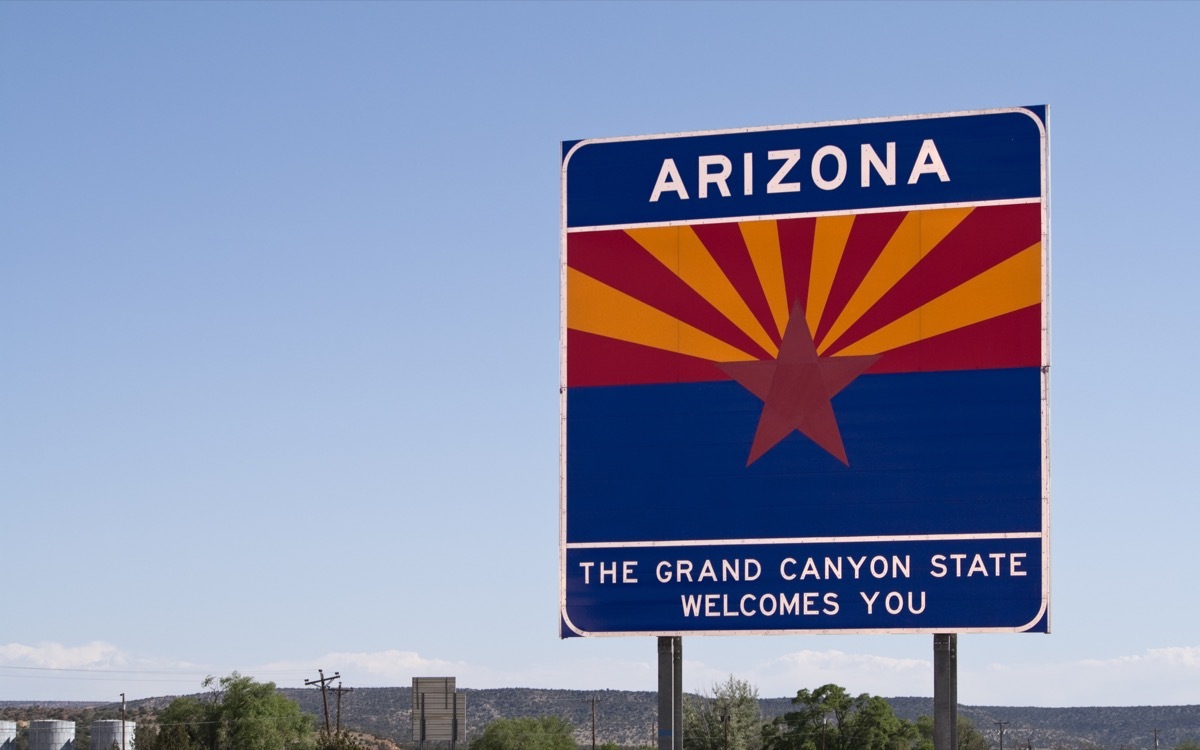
(92, 671)
(397, 668)
(368, 668)
(574, 674)
(1162, 676)
(1181, 657)
(99, 670)
(858, 673)
(94, 655)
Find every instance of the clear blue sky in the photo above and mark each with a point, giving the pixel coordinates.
(279, 309)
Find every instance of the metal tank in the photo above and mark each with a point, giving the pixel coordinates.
(8, 735)
(107, 734)
(51, 734)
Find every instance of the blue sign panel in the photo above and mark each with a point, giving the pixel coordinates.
(804, 382)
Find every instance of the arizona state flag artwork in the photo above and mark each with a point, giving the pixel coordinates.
(805, 379)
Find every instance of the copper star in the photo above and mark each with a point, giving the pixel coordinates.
(797, 389)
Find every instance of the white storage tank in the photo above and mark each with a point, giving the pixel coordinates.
(8, 735)
(51, 734)
(107, 734)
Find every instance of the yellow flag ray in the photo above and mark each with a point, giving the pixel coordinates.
(681, 251)
(595, 307)
(918, 233)
(762, 240)
(1012, 285)
(829, 242)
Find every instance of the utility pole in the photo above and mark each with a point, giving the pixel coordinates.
(592, 700)
(1001, 724)
(1155, 739)
(126, 747)
(340, 690)
(325, 697)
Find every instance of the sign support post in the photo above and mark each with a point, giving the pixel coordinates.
(670, 692)
(945, 691)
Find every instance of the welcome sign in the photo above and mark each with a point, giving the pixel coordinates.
(805, 379)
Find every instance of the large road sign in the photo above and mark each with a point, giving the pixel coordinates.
(805, 378)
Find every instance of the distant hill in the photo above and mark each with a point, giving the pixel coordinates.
(624, 717)
(628, 718)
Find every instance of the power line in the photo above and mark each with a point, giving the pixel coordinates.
(90, 669)
(67, 673)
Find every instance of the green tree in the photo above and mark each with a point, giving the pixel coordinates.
(527, 733)
(185, 724)
(254, 716)
(969, 738)
(705, 718)
(238, 714)
(829, 718)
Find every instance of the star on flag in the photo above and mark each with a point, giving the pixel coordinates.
(797, 388)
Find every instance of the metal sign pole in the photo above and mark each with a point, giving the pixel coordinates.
(670, 693)
(677, 697)
(945, 691)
